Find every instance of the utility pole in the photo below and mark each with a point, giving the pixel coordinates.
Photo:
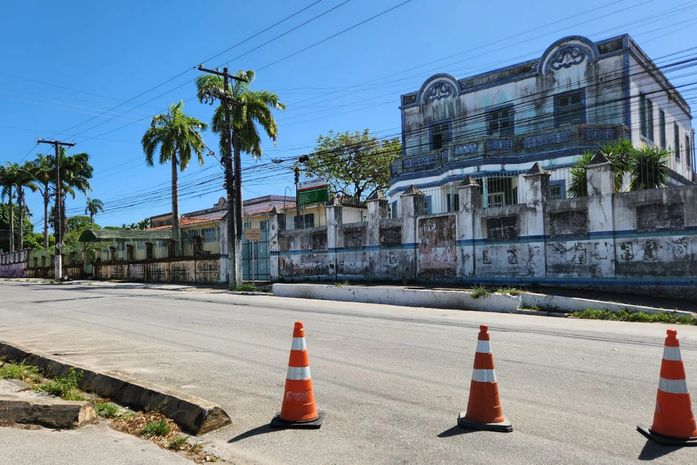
(233, 181)
(58, 265)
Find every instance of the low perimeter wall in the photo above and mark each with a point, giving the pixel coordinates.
(642, 242)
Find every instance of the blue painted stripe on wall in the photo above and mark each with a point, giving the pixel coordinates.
(676, 282)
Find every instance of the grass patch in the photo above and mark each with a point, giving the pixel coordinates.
(642, 317)
(155, 428)
(26, 373)
(509, 290)
(342, 284)
(246, 287)
(479, 292)
(64, 387)
(177, 443)
(107, 409)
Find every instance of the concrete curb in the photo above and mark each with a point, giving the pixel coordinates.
(456, 299)
(193, 414)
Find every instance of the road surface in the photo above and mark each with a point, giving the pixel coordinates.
(390, 379)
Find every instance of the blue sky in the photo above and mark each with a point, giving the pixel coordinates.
(65, 65)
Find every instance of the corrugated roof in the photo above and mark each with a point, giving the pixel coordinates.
(96, 235)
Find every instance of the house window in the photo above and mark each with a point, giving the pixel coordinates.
(428, 205)
(264, 225)
(112, 254)
(676, 141)
(649, 118)
(642, 115)
(501, 191)
(129, 253)
(209, 235)
(393, 209)
(569, 108)
(557, 190)
(247, 225)
(453, 200)
(305, 221)
(500, 122)
(662, 128)
(688, 158)
(440, 136)
(149, 255)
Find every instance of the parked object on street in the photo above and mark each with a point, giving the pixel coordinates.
(484, 411)
(298, 408)
(673, 420)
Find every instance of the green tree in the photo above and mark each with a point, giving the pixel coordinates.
(43, 168)
(75, 225)
(179, 137)
(8, 180)
(355, 164)
(648, 168)
(76, 172)
(93, 206)
(578, 186)
(251, 108)
(25, 180)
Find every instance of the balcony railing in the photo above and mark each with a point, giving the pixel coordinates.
(582, 135)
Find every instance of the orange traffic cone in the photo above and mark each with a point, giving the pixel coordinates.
(484, 410)
(673, 421)
(298, 409)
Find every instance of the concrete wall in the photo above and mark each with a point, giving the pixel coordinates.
(199, 270)
(13, 264)
(640, 242)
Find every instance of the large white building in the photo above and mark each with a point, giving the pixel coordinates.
(494, 126)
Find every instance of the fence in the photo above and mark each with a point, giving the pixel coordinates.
(642, 241)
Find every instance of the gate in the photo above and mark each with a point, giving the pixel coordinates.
(259, 268)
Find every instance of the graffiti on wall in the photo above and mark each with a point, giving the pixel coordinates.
(437, 255)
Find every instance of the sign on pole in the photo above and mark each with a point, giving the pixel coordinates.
(315, 191)
(252, 235)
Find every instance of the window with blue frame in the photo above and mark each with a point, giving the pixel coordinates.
(440, 135)
(393, 209)
(428, 205)
(500, 122)
(557, 190)
(569, 108)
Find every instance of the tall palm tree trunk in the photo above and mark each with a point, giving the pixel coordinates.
(12, 222)
(20, 201)
(175, 207)
(46, 200)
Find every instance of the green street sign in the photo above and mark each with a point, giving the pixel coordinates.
(313, 195)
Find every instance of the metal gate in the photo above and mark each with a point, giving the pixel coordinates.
(259, 268)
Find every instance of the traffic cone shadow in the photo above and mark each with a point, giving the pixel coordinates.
(673, 420)
(298, 408)
(484, 411)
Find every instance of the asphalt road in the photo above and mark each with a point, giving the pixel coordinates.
(391, 379)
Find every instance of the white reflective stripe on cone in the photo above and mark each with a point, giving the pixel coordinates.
(483, 347)
(298, 344)
(298, 373)
(484, 376)
(671, 353)
(673, 386)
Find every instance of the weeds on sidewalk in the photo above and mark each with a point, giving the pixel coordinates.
(107, 409)
(26, 373)
(65, 387)
(246, 287)
(479, 292)
(509, 290)
(642, 317)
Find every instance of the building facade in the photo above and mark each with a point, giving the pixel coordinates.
(494, 126)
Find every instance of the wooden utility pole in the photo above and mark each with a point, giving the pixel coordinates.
(233, 181)
(58, 265)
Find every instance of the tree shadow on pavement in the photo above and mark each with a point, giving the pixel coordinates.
(263, 429)
(454, 431)
(653, 451)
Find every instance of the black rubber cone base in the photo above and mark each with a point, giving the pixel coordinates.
(666, 440)
(279, 422)
(502, 427)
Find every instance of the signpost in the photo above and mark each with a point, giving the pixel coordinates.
(253, 236)
(313, 192)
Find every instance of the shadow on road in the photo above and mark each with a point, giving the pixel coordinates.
(263, 429)
(653, 451)
(454, 431)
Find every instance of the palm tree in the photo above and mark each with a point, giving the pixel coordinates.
(251, 107)
(24, 179)
(578, 186)
(43, 168)
(648, 168)
(8, 179)
(93, 207)
(178, 137)
(75, 174)
(618, 153)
